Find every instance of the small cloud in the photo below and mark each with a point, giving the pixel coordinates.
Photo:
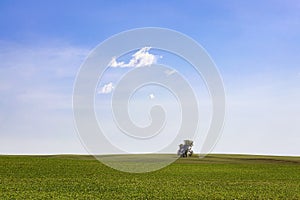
(151, 96)
(139, 59)
(170, 72)
(106, 89)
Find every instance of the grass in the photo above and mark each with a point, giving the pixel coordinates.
(215, 177)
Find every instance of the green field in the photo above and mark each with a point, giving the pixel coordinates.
(215, 177)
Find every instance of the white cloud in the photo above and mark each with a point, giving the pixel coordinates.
(107, 88)
(151, 96)
(115, 63)
(139, 59)
(170, 72)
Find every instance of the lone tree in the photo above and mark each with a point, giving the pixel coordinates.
(185, 149)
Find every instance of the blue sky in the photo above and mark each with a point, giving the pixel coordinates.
(255, 45)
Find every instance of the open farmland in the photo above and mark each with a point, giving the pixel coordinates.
(215, 177)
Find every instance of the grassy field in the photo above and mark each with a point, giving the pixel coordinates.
(215, 177)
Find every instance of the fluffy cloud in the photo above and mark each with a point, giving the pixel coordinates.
(139, 59)
(151, 96)
(115, 63)
(107, 88)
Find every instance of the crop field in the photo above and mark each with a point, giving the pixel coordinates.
(214, 177)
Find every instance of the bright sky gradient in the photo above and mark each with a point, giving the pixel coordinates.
(255, 45)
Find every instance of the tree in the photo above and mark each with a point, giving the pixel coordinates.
(185, 149)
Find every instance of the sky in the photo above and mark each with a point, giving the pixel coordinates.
(255, 45)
